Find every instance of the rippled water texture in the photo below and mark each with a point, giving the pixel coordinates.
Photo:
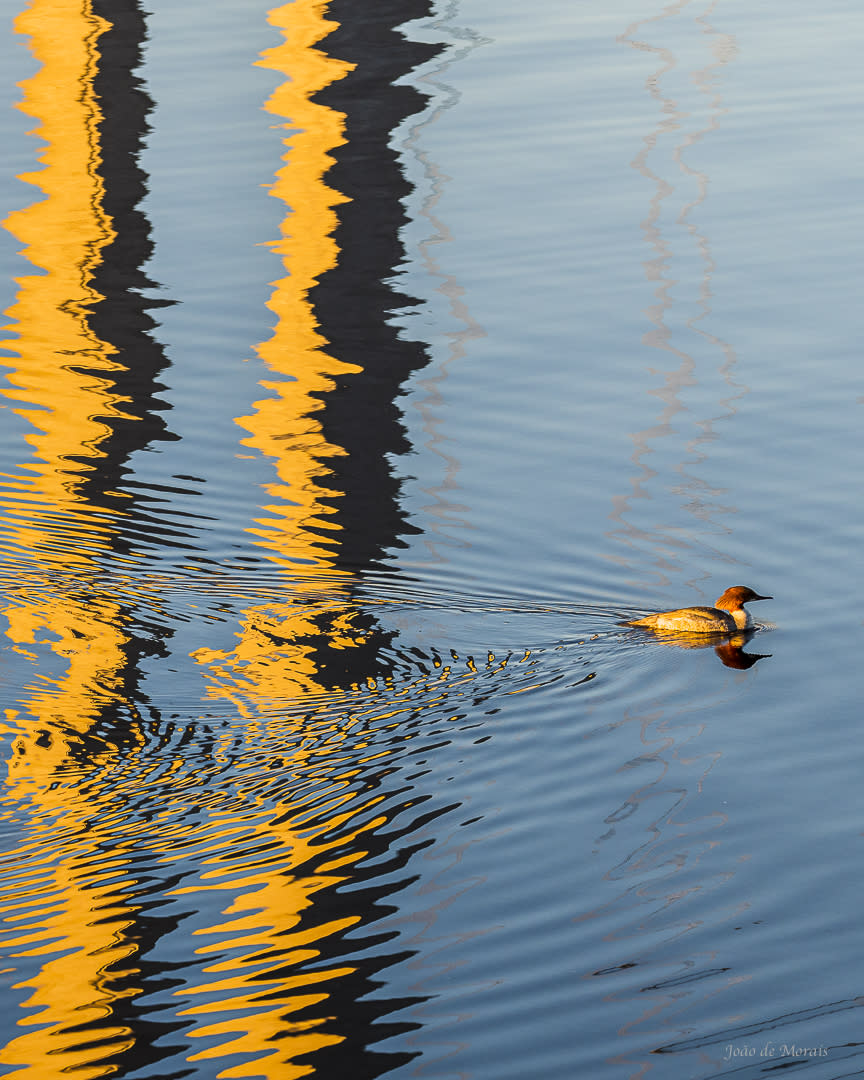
(365, 366)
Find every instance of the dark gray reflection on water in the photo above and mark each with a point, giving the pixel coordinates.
(684, 119)
(355, 300)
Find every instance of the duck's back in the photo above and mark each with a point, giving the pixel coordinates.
(705, 620)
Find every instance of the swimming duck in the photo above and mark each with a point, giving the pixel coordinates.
(728, 616)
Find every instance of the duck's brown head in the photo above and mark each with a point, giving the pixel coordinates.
(737, 597)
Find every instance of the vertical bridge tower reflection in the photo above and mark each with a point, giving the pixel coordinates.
(83, 372)
(336, 365)
(338, 361)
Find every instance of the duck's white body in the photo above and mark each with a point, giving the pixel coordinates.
(728, 616)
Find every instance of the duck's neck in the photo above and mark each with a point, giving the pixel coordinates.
(742, 618)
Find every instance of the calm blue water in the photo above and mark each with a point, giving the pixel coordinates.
(363, 370)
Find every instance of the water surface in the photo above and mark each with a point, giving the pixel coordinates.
(364, 369)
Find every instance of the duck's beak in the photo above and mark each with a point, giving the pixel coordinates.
(761, 597)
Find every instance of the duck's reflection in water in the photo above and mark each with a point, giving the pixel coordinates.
(728, 647)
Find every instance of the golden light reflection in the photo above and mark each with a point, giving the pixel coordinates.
(64, 235)
(60, 381)
(270, 928)
(299, 533)
(284, 426)
(75, 922)
(259, 820)
(261, 1003)
(270, 971)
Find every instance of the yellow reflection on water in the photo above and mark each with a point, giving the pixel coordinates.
(284, 426)
(64, 235)
(261, 999)
(261, 1002)
(61, 909)
(274, 660)
(228, 831)
(60, 382)
(253, 987)
(75, 917)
